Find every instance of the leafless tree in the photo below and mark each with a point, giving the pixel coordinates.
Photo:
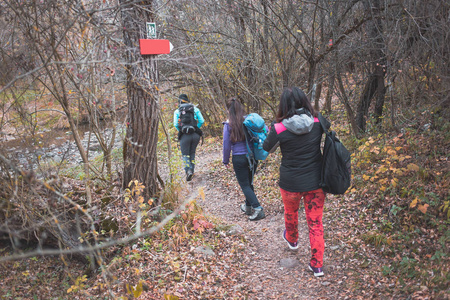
(66, 61)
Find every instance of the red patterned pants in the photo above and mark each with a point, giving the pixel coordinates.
(314, 210)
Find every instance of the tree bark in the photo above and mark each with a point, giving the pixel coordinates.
(140, 161)
(348, 107)
(375, 81)
(329, 95)
(317, 96)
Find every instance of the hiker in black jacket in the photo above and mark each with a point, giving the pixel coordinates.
(298, 133)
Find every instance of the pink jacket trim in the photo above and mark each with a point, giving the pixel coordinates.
(279, 127)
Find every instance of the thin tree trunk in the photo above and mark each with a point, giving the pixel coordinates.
(329, 95)
(380, 68)
(381, 90)
(375, 81)
(364, 102)
(317, 96)
(348, 107)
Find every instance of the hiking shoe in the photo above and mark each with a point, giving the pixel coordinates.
(189, 176)
(318, 272)
(246, 208)
(258, 214)
(292, 246)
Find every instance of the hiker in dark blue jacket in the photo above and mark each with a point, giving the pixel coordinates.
(234, 141)
(298, 133)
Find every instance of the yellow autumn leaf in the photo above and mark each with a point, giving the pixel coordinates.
(423, 208)
(399, 172)
(176, 266)
(135, 291)
(413, 167)
(394, 182)
(202, 193)
(414, 203)
(48, 186)
(392, 152)
(383, 181)
(381, 169)
(138, 290)
(365, 177)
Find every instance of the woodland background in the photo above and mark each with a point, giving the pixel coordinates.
(89, 160)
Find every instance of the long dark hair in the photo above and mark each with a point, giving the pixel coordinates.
(292, 99)
(235, 119)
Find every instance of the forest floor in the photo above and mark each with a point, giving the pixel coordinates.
(268, 268)
(212, 251)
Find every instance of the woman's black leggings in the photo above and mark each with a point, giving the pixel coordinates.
(244, 178)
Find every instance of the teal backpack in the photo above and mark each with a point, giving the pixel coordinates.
(255, 133)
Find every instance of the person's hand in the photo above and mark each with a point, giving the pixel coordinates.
(226, 165)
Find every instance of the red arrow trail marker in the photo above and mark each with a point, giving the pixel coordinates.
(153, 46)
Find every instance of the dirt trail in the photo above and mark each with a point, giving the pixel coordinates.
(273, 270)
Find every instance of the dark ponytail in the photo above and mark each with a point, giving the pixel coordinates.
(235, 119)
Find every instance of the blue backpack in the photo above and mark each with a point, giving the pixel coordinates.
(255, 133)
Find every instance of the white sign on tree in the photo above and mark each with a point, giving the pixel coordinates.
(151, 30)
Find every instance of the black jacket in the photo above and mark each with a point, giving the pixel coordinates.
(299, 138)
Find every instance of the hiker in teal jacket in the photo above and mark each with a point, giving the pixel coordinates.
(188, 119)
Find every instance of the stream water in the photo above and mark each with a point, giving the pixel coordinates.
(56, 146)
